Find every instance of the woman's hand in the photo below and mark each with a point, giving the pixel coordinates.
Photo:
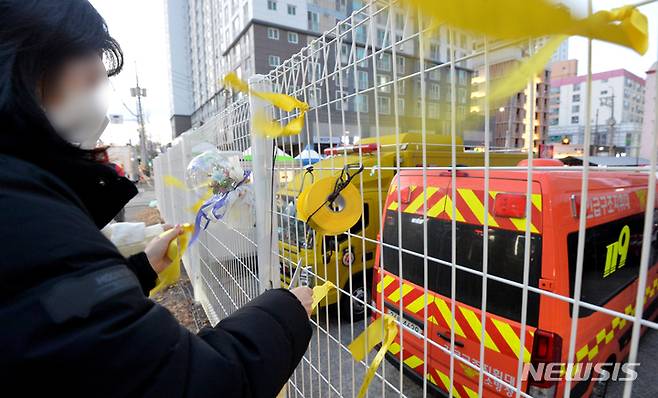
(156, 250)
(305, 296)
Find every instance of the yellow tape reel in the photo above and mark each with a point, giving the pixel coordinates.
(329, 218)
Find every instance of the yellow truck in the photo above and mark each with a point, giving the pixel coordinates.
(335, 258)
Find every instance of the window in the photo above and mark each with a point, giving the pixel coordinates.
(381, 38)
(435, 74)
(575, 98)
(292, 10)
(419, 109)
(314, 96)
(506, 254)
(433, 110)
(401, 106)
(314, 70)
(604, 92)
(362, 103)
(574, 119)
(400, 61)
(384, 105)
(383, 87)
(361, 55)
(576, 87)
(341, 103)
(435, 91)
(293, 38)
(344, 53)
(363, 80)
(575, 108)
(612, 253)
(462, 76)
(273, 60)
(313, 21)
(399, 20)
(273, 33)
(384, 62)
(461, 95)
(271, 5)
(344, 77)
(435, 51)
(361, 34)
(402, 87)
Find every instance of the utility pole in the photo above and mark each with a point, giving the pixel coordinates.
(597, 138)
(511, 107)
(139, 92)
(610, 103)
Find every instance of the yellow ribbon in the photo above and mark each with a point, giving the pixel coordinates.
(374, 334)
(518, 19)
(320, 292)
(175, 250)
(177, 183)
(174, 182)
(284, 102)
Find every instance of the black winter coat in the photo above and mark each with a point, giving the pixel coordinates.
(74, 318)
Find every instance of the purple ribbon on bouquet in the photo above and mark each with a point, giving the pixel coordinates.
(214, 203)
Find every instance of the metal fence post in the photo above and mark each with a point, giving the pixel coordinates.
(192, 255)
(262, 164)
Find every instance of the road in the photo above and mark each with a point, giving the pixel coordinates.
(140, 202)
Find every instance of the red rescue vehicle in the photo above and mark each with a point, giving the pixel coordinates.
(615, 217)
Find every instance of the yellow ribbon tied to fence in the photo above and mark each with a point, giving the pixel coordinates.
(519, 19)
(375, 333)
(175, 250)
(262, 124)
(177, 183)
(320, 292)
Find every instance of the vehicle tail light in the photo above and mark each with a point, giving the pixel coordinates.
(546, 349)
(339, 150)
(509, 205)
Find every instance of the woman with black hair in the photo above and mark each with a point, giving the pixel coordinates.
(74, 317)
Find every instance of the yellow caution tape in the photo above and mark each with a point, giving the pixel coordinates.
(284, 102)
(519, 19)
(175, 250)
(325, 218)
(320, 292)
(375, 333)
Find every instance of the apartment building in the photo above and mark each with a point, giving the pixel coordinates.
(617, 110)
(509, 120)
(254, 36)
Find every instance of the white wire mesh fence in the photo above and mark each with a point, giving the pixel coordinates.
(487, 266)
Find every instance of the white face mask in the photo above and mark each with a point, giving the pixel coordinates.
(82, 118)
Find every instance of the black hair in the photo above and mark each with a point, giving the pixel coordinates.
(36, 38)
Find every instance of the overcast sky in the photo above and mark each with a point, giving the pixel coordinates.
(139, 27)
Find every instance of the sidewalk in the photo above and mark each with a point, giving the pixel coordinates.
(179, 298)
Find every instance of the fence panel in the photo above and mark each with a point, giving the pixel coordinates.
(480, 260)
(463, 282)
